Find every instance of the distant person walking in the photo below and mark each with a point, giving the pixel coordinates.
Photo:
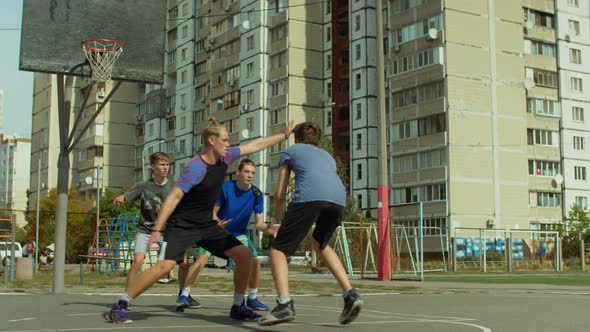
(542, 254)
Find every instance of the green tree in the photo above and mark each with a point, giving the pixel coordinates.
(79, 229)
(579, 223)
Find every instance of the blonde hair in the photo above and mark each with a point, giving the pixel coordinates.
(213, 129)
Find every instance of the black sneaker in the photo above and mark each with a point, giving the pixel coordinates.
(194, 303)
(282, 313)
(352, 307)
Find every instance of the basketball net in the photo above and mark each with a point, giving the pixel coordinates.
(102, 55)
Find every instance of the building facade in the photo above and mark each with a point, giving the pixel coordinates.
(15, 154)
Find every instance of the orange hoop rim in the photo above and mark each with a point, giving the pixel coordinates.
(90, 45)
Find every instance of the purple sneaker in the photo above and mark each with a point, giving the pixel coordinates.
(242, 312)
(118, 313)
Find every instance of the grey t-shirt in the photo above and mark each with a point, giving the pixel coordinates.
(316, 178)
(152, 198)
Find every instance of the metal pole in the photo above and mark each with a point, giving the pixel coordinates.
(12, 245)
(582, 254)
(36, 264)
(97, 206)
(384, 262)
(421, 240)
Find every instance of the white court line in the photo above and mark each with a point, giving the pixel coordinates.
(217, 326)
(18, 294)
(21, 319)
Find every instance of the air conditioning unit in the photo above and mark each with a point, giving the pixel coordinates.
(212, 40)
(567, 38)
(182, 107)
(490, 223)
(203, 99)
(245, 107)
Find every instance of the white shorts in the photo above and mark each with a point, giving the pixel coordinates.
(141, 242)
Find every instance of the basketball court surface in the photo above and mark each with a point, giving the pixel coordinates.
(445, 309)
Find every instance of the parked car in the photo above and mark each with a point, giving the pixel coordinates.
(5, 251)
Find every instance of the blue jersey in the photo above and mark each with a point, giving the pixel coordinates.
(238, 205)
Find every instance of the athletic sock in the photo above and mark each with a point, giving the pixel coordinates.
(186, 291)
(126, 298)
(238, 299)
(252, 292)
(284, 299)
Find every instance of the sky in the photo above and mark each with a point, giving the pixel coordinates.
(17, 85)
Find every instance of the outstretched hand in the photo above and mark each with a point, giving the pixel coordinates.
(118, 200)
(273, 230)
(289, 128)
(223, 222)
(153, 239)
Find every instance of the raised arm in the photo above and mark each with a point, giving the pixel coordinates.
(265, 142)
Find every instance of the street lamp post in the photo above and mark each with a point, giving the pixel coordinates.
(37, 216)
(143, 153)
(89, 180)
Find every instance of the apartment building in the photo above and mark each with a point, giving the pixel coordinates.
(15, 154)
(253, 65)
(103, 149)
(573, 48)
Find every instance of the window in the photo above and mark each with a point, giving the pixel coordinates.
(151, 130)
(250, 123)
(544, 168)
(359, 201)
(405, 195)
(578, 143)
(402, 5)
(172, 123)
(278, 33)
(328, 62)
(417, 30)
(328, 7)
(575, 56)
(405, 163)
(576, 84)
(357, 52)
(185, 9)
(545, 78)
(357, 22)
(182, 146)
(183, 122)
(582, 202)
(548, 199)
(418, 94)
(199, 116)
(432, 124)
(541, 48)
(573, 3)
(573, 27)
(278, 60)
(406, 129)
(250, 43)
(433, 192)
(173, 13)
(185, 31)
(328, 34)
(277, 116)
(139, 130)
(278, 88)
(577, 114)
(201, 68)
(416, 61)
(329, 90)
(171, 57)
(200, 46)
(183, 77)
(250, 96)
(358, 108)
(580, 173)
(250, 69)
(433, 158)
(359, 171)
(329, 118)
(543, 106)
(357, 82)
(541, 137)
(539, 18)
(359, 141)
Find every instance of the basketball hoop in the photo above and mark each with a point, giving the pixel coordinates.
(102, 55)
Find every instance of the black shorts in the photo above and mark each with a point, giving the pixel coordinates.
(299, 219)
(213, 238)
